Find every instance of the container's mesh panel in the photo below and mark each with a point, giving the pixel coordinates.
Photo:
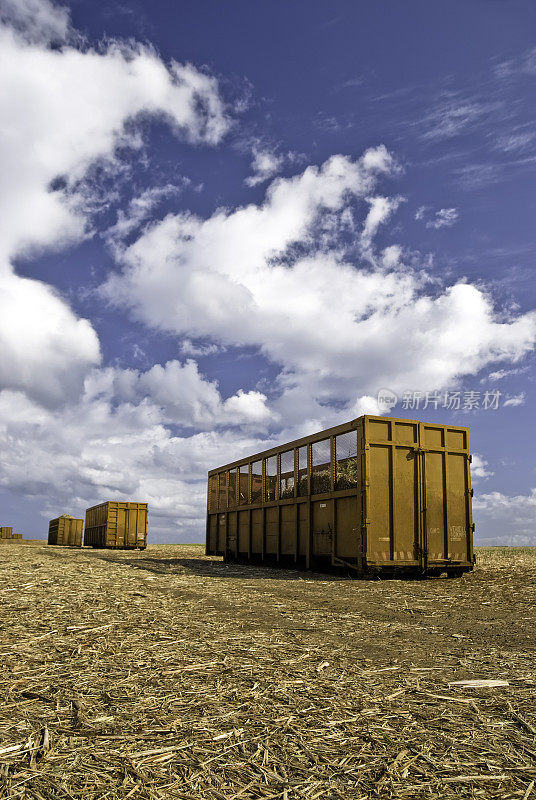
(302, 471)
(271, 476)
(320, 467)
(346, 460)
(222, 491)
(243, 485)
(256, 482)
(286, 485)
(232, 488)
(213, 492)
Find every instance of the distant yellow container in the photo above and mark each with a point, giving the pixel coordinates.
(17, 536)
(6, 533)
(121, 525)
(65, 530)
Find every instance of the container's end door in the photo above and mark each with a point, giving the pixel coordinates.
(393, 501)
(447, 500)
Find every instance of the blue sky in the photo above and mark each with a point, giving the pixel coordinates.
(225, 225)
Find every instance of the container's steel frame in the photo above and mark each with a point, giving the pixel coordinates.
(409, 512)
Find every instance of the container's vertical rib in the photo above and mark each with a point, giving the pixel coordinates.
(446, 553)
(392, 479)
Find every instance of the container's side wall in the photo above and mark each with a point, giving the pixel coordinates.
(272, 529)
(303, 528)
(232, 522)
(379, 507)
(95, 534)
(348, 527)
(222, 532)
(243, 532)
(256, 531)
(213, 534)
(322, 511)
(288, 529)
(53, 531)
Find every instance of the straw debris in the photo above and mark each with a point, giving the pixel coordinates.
(167, 674)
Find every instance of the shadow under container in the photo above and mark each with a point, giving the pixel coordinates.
(375, 496)
(118, 525)
(6, 533)
(65, 530)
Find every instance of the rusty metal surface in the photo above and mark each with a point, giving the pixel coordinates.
(114, 524)
(376, 494)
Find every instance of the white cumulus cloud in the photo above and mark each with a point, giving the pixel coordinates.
(36, 20)
(62, 110)
(265, 164)
(480, 468)
(505, 519)
(257, 276)
(100, 448)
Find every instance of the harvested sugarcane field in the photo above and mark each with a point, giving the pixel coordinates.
(167, 673)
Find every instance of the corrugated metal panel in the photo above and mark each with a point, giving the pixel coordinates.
(6, 533)
(114, 524)
(375, 494)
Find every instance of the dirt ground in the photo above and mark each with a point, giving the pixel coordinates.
(168, 674)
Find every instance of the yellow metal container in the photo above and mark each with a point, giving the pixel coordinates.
(65, 530)
(121, 525)
(6, 533)
(17, 536)
(377, 495)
